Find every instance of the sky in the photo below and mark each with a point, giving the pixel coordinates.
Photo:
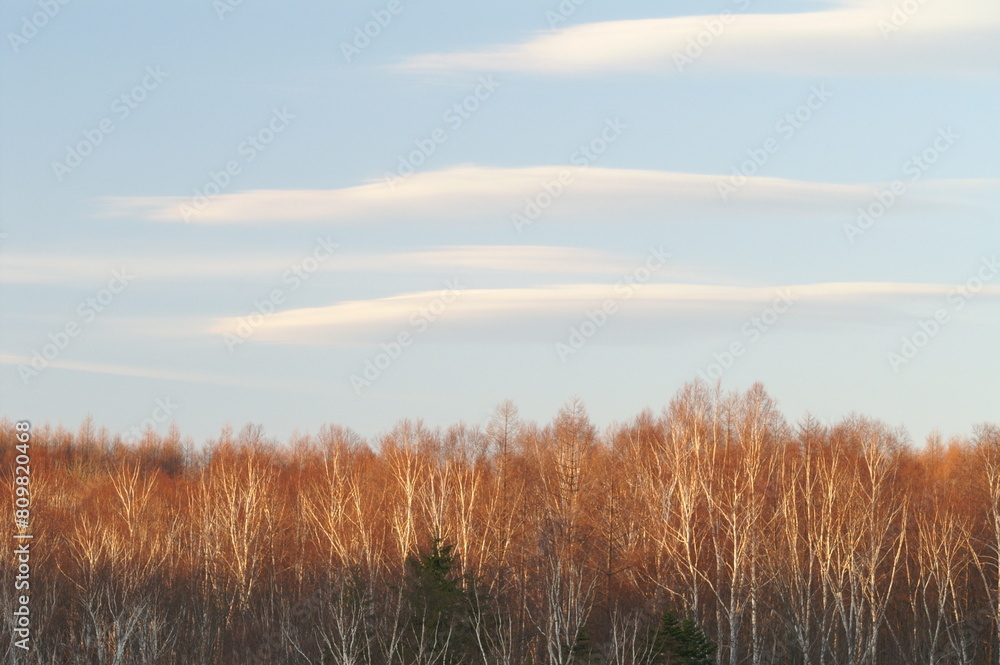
(302, 213)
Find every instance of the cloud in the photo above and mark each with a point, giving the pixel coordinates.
(954, 37)
(67, 269)
(23, 268)
(479, 193)
(507, 258)
(139, 372)
(364, 321)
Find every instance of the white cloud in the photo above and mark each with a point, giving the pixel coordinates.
(479, 193)
(958, 36)
(140, 372)
(67, 269)
(364, 321)
(507, 258)
(25, 268)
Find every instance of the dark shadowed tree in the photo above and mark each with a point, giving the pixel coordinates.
(438, 603)
(681, 642)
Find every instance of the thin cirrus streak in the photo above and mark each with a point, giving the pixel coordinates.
(474, 193)
(146, 372)
(27, 268)
(352, 321)
(953, 38)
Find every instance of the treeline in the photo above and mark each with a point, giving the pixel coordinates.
(712, 532)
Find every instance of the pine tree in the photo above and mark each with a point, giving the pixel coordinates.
(678, 642)
(438, 607)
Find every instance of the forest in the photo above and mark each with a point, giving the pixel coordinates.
(714, 531)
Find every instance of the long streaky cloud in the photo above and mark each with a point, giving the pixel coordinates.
(33, 268)
(873, 37)
(501, 195)
(136, 372)
(357, 321)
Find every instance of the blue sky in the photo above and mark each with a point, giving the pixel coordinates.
(533, 201)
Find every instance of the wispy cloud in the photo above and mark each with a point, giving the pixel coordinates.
(536, 259)
(479, 193)
(138, 372)
(361, 321)
(954, 37)
(31, 268)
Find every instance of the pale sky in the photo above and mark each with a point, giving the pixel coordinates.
(257, 212)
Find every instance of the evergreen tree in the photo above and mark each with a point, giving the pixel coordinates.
(678, 642)
(438, 607)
